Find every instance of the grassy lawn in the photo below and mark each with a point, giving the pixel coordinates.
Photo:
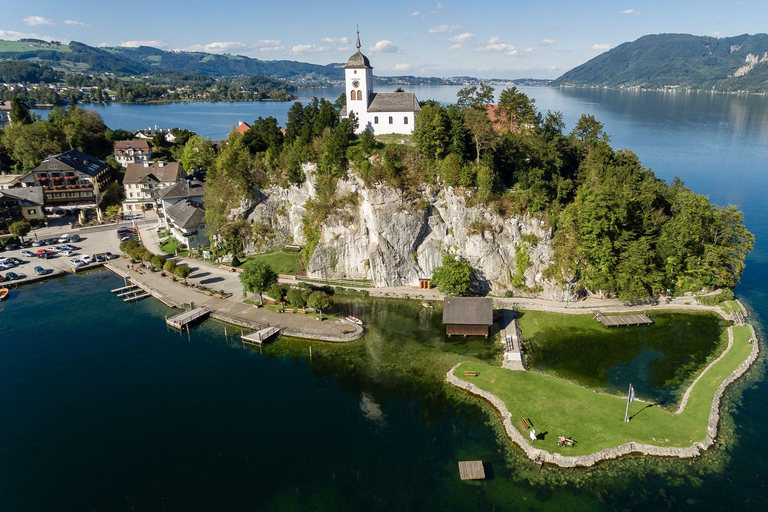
(171, 246)
(282, 260)
(730, 306)
(595, 421)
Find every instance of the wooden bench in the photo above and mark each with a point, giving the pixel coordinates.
(470, 374)
(525, 423)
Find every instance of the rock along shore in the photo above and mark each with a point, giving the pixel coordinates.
(627, 448)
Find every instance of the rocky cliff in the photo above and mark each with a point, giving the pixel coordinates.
(394, 240)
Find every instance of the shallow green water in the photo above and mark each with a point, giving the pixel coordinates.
(656, 359)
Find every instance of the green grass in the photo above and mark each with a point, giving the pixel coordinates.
(730, 306)
(595, 421)
(282, 261)
(171, 246)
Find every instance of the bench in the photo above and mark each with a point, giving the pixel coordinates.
(470, 374)
(525, 423)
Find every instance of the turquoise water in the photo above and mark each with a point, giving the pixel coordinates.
(146, 419)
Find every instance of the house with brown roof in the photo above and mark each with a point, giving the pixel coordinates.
(144, 182)
(22, 202)
(242, 127)
(186, 221)
(468, 316)
(70, 181)
(132, 152)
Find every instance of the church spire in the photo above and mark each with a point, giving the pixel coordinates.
(358, 39)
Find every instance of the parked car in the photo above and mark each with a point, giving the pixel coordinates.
(77, 262)
(6, 266)
(63, 239)
(68, 247)
(66, 253)
(38, 243)
(2, 278)
(86, 259)
(11, 247)
(25, 244)
(74, 238)
(45, 254)
(28, 254)
(40, 270)
(12, 276)
(110, 256)
(15, 261)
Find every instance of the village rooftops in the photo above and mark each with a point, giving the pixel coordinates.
(10, 180)
(157, 171)
(73, 160)
(468, 311)
(135, 145)
(184, 189)
(394, 102)
(186, 214)
(28, 195)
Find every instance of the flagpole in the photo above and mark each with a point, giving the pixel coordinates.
(626, 412)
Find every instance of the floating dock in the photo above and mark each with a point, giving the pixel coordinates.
(184, 319)
(471, 470)
(131, 293)
(622, 320)
(260, 336)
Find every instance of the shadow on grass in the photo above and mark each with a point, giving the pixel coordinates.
(641, 410)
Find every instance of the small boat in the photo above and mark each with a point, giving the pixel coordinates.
(354, 320)
(3, 293)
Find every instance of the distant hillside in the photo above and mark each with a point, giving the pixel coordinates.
(79, 57)
(737, 63)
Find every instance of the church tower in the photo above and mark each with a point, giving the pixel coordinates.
(358, 84)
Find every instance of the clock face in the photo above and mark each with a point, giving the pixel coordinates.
(355, 83)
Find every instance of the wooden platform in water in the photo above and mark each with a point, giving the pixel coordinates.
(260, 336)
(471, 470)
(622, 320)
(187, 317)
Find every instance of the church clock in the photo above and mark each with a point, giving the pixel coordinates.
(355, 83)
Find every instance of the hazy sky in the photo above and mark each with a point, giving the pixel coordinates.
(491, 38)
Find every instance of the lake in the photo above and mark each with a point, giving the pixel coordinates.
(213, 423)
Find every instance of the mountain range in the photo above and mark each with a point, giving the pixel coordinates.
(738, 63)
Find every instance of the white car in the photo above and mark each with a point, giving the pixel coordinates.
(28, 254)
(77, 262)
(64, 239)
(86, 259)
(67, 253)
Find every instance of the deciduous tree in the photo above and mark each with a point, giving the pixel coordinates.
(257, 277)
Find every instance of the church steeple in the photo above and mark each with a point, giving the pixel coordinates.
(358, 40)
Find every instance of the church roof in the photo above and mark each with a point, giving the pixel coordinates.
(394, 102)
(358, 60)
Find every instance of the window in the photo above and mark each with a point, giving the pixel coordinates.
(405, 120)
(376, 120)
(359, 95)
(390, 120)
(31, 212)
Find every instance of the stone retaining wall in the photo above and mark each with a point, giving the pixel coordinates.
(621, 450)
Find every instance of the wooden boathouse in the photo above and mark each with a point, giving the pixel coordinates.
(468, 316)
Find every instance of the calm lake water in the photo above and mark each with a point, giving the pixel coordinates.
(105, 410)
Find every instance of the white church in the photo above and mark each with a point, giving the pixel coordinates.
(382, 112)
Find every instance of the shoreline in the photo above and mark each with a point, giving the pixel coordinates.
(238, 314)
(628, 448)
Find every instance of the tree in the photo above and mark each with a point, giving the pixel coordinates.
(257, 277)
(263, 134)
(277, 292)
(517, 111)
(474, 102)
(320, 301)
(183, 272)
(20, 228)
(127, 246)
(431, 131)
(197, 154)
(157, 261)
(170, 266)
(114, 210)
(454, 276)
(19, 112)
(589, 129)
(368, 141)
(297, 297)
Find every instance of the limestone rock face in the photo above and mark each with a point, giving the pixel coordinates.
(394, 240)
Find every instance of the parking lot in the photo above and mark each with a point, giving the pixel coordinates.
(93, 241)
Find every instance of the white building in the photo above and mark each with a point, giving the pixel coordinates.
(186, 220)
(383, 112)
(132, 152)
(144, 182)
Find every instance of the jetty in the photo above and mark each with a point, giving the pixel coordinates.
(622, 320)
(471, 470)
(260, 336)
(187, 317)
(510, 340)
(131, 293)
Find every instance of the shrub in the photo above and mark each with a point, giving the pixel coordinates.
(182, 271)
(297, 297)
(277, 292)
(157, 261)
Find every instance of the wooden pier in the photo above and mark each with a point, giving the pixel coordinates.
(184, 319)
(131, 293)
(471, 470)
(622, 320)
(260, 336)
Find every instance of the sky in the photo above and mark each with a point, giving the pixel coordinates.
(487, 39)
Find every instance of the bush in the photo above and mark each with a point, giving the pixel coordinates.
(182, 271)
(714, 300)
